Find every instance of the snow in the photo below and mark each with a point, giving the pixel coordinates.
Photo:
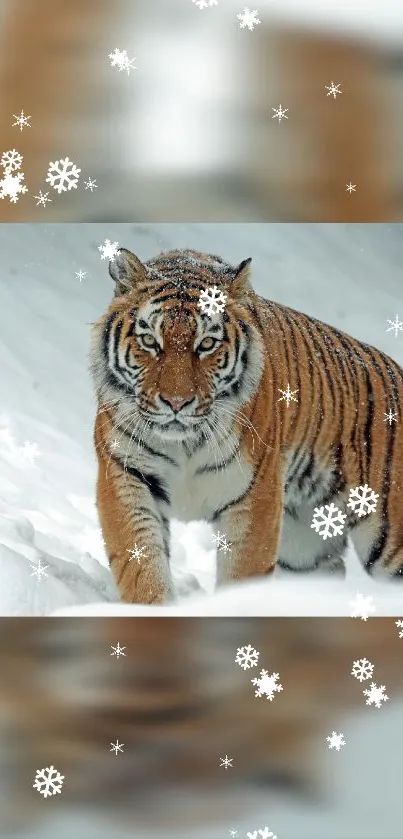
(348, 275)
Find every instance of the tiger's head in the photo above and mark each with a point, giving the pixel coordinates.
(158, 353)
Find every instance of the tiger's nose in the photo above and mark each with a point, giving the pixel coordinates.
(176, 402)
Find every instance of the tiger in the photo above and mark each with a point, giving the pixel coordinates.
(177, 700)
(250, 415)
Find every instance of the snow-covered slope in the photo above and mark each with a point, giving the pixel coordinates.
(348, 275)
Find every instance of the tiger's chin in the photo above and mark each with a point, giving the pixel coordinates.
(176, 431)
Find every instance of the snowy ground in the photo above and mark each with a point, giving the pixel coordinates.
(348, 275)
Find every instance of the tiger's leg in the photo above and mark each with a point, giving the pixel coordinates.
(379, 554)
(302, 550)
(130, 520)
(251, 527)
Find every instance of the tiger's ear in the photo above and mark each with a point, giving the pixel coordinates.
(126, 269)
(240, 284)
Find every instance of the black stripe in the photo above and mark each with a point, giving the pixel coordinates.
(148, 448)
(202, 470)
(153, 483)
(230, 504)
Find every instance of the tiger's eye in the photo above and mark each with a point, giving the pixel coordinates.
(148, 340)
(207, 343)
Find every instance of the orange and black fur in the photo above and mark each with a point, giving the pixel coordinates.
(193, 422)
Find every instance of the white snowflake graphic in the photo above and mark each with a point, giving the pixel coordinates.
(280, 113)
(116, 747)
(362, 606)
(267, 685)
(220, 540)
(136, 553)
(390, 417)
(287, 395)
(351, 187)
(233, 833)
(118, 650)
(226, 761)
(63, 175)
(333, 89)
(362, 500)
(375, 695)
(42, 198)
(12, 187)
(262, 832)
(248, 19)
(91, 184)
(39, 570)
(22, 121)
(29, 451)
(115, 444)
(362, 669)
(247, 657)
(120, 59)
(328, 524)
(48, 781)
(205, 4)
(80, 274)
(395, 325)
(336, 741)
(11, 161)
(399, 625)
(109, 249)
(211, 301)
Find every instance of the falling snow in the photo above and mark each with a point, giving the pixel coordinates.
(211, 301)
(390, 417)
(91, 184)
(333, 89)
(109, 249)
(399, 625)
(362, 669)
(11, 161)
(375, 695)
(136, 553)
(287, 395)
(63, 175)
(351, 187)
(29, 451)
(248, 19)
(328, 524)
(116, 747)
(362, 500)
(362, 606)
(48, 781)
(120, 59)
(267, 685)
(39, 570)
(247, 657)
(279, 113)
(396, 326)
(336, 741)
(261, 833)
(226, 761)
(11, 186)
(118, 650)
(220, 540)
(22, 121)
(205, 4)
(42, 198)
(80, 274)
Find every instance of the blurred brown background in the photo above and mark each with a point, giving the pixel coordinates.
(178, 702)
(190, 134)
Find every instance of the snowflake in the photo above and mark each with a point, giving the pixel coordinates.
(247, 657)
(390, 417)
(221, 543)
(11, 185)
(91, 184)
(266, 685)
(136, 553)
(22, 121)
(233, 833)
(116, 747)
(399, 625)
(375, 695)
(333, 89)
(118, 650)
(11, 160)
(328, 524)
(39, 570)
(80, 274)
(226, 761)
(351, 187)
(204, 4)
(279, 113)
(50, 779)
(336, 741)
(212, 300)
(248, 19)
(362, 500)
(263, 832)
(115, 444)
(361, 606)
(120, 59)
(29, 451)
(42, 198)
(63, 175)
(109, 249)
(396, 325)
(362, 669)
(288, 395)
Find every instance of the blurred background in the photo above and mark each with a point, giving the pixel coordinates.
(178, 702)
(190, 133)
